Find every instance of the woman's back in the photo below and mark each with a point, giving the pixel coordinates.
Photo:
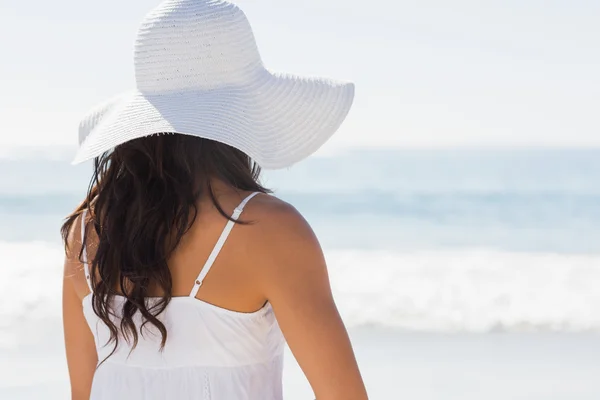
(211, 350)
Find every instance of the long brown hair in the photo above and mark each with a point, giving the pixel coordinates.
(142, 199)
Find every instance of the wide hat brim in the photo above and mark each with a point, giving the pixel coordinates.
(277, 120)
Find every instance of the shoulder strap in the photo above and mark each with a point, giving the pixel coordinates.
(217, 249)
(86, 268)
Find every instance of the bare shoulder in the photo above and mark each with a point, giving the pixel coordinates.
(278, 220)
(282, 243)
(293, 277)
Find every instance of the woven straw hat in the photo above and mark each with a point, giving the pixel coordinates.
(198, 72)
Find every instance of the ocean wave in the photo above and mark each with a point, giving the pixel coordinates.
(468, 290)
(430, 291)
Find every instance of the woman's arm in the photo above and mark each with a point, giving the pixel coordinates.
(79, 341)
(297, 285)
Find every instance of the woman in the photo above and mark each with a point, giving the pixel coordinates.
(170, 291)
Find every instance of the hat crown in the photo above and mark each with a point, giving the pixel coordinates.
(194, 45)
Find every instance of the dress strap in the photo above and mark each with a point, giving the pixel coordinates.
(217, 249)
(86, 267)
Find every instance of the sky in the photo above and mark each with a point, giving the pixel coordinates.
(428, 73)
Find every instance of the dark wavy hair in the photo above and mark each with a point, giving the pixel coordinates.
(142, 199)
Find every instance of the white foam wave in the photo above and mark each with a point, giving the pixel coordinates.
(468, 291)
(30, 289)
(433, 291)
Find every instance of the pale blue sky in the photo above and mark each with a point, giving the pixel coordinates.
(428, 72)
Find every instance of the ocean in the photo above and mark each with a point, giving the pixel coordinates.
(461, 246)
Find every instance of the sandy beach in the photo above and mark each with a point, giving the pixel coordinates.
(398, 366)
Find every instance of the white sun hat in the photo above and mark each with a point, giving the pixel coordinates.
(198, 72)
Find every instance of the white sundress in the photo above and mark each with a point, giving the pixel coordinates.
(211, 353)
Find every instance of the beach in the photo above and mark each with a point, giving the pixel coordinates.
(398, 365)
(460, 274)
(457, 203)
